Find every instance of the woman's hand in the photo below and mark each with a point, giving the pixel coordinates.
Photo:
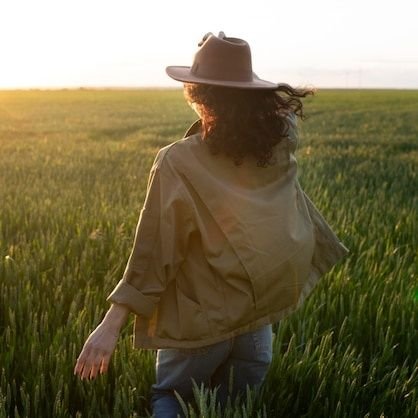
(100, 344)
(96, 352)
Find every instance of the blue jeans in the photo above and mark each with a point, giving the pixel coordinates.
(249, 355)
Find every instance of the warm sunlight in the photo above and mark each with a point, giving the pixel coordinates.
(129, 43)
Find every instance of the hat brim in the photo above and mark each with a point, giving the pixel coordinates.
(181, 73)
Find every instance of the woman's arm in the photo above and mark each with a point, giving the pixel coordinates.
(116, 317)
(100, 344)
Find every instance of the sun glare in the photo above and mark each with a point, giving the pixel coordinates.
(129, 43)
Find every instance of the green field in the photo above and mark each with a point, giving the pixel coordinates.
(73, 172)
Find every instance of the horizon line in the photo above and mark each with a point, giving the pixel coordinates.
(159, 87)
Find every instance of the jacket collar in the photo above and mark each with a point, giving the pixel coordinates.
(194, 128)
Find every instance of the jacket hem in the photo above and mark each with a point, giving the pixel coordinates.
(153, 343)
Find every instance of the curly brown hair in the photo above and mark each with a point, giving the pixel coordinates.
(245, 122)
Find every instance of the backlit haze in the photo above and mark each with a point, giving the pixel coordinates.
(128, 43)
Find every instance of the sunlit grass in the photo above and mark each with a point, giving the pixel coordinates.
(73, 170)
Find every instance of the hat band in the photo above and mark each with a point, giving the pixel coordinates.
(221, 73)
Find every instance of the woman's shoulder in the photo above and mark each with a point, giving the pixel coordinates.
(177, 153)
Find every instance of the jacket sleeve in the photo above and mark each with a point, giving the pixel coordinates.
(160, 242)
(329, 250)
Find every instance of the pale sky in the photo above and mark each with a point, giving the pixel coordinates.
(128, 43)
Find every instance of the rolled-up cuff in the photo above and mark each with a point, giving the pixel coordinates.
(126, 294)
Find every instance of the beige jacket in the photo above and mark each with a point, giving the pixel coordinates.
(220, 250)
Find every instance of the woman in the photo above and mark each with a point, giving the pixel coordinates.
(227, 242)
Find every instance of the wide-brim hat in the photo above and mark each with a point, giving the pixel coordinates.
(221, 61)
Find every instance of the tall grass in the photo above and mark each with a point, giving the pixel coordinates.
(73, 170)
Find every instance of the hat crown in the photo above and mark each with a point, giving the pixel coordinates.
(221, 61)
(222, 58)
